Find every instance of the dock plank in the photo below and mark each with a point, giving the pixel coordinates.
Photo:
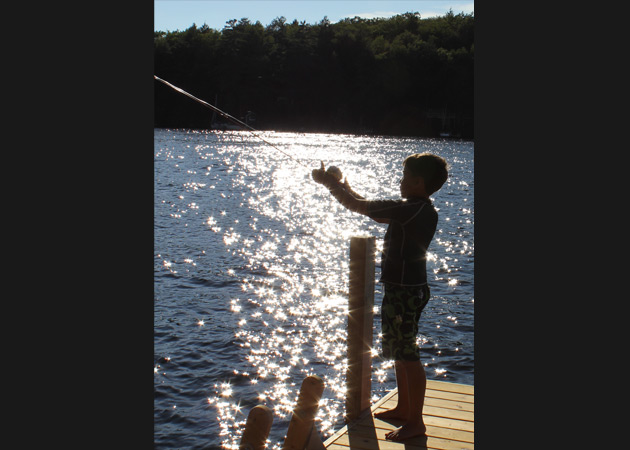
(435, 416)
(451, 387)
(437, 402)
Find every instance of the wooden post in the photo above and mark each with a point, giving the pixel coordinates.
(302, 420)
(257, 428)
(360, 326)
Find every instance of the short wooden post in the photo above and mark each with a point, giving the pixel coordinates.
(302, 420)
(360, 326)
(257, 428)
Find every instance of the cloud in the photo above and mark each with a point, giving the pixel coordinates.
(466, 8)
(373, 15)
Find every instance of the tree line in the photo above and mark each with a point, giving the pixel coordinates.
(403, 75)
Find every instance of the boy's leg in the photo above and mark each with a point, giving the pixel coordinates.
(415, 391)
(401, 410)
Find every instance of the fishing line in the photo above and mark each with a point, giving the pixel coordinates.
(229, 117)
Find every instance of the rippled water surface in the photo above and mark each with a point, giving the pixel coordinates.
(251, 276)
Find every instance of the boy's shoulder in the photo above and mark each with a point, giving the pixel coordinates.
(418, 202)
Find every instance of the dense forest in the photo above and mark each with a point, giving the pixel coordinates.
(403, 76)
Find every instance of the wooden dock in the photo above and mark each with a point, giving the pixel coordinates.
(448, 414)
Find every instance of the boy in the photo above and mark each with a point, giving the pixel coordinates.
(411, 225)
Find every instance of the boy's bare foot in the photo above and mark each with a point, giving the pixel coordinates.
(407, 431)
(394, 414)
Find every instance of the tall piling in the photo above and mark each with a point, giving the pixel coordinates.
(360, 326)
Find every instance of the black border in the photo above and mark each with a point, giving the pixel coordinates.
(83, 80)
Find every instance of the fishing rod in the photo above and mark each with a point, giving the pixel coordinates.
(227, 116)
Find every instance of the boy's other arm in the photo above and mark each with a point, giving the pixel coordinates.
(343, 193)
(346, 185)
(348, 199)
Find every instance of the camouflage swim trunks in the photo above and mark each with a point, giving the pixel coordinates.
(400, 313)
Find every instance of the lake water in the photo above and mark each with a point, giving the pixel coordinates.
(251, 276)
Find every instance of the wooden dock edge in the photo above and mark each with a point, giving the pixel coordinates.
(462, 392)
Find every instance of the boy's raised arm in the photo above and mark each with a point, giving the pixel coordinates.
(341, 191)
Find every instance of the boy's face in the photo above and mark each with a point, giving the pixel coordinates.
(411, 185)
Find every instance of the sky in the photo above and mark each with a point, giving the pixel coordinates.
(174, 15)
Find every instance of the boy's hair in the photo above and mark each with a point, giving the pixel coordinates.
(432, 168)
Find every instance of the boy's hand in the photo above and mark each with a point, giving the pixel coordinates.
(324, 177)
(318, 174)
